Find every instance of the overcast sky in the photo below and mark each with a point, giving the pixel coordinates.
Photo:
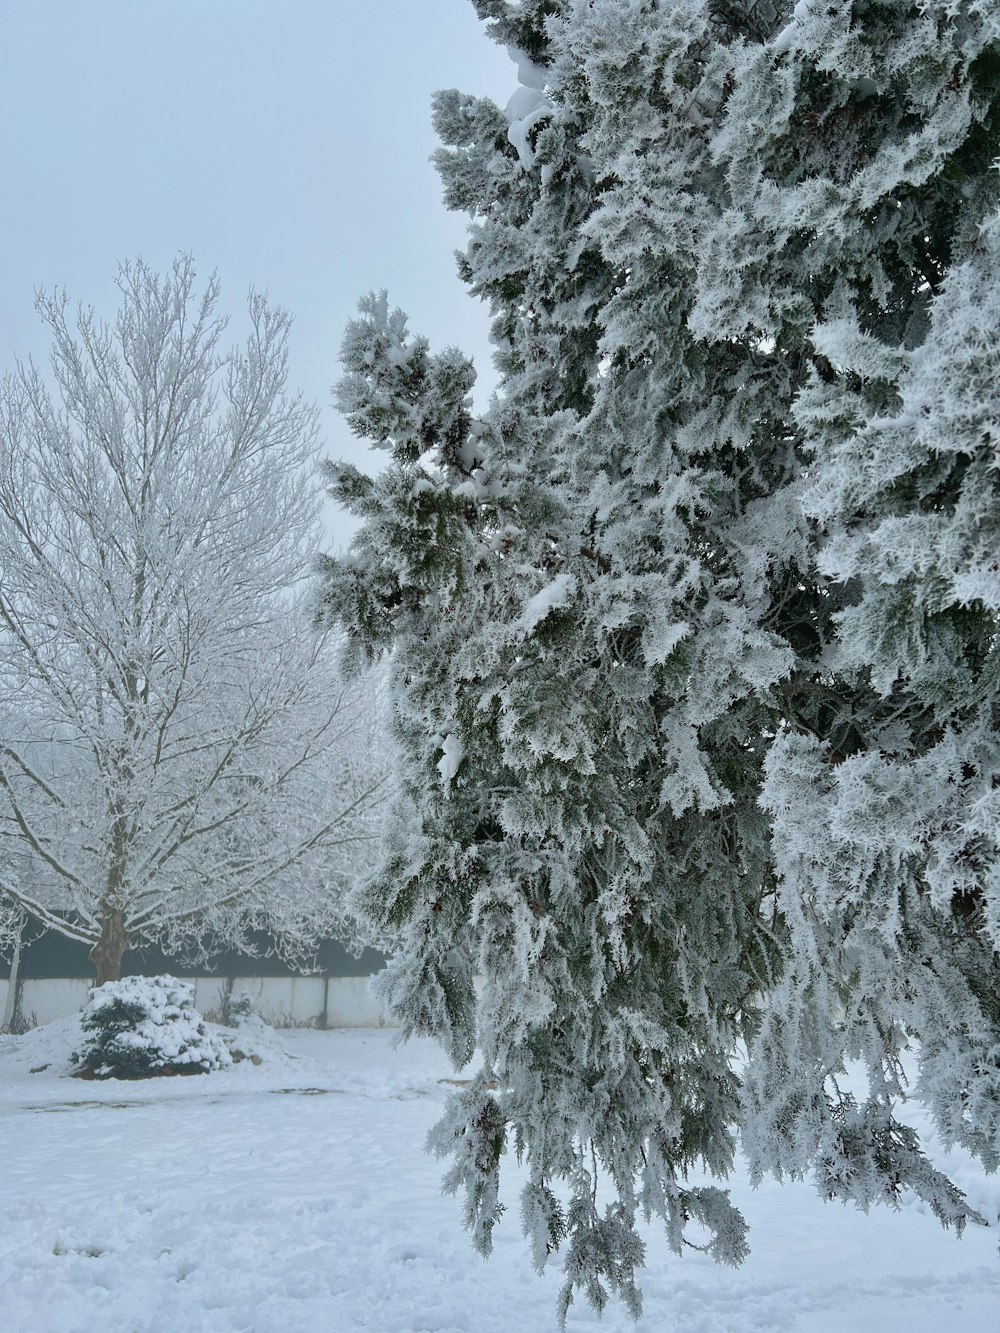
(283, 142)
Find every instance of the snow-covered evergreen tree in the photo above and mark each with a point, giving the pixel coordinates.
(695, 631)
(896, 914)
(146, 1027)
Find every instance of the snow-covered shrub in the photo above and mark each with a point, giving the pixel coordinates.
(237, 1009)
(142, 1027)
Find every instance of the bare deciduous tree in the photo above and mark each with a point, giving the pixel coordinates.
(178, 759)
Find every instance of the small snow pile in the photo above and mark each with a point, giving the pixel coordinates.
(529, 106)
(252, 1036)
(452, 754)
(553, 597)
(142, 1027)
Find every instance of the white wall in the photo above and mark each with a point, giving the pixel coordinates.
(280, 1001)
(43, 1001)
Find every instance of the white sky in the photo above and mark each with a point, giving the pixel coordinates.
(283, 142)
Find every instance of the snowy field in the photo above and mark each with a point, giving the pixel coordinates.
(295, 1196)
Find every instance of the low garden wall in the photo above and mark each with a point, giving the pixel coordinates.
(293, 1001)
(55, 975)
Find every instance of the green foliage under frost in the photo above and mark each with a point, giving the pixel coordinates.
(146, 1027)
(695, 630)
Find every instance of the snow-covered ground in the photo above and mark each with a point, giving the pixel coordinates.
(295, 1196)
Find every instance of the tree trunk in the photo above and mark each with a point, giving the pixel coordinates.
(107, 953)
(14, 983)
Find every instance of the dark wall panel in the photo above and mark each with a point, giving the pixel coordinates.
(49, 954)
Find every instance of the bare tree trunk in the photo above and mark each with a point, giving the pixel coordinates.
(14, 983)
(107, 953)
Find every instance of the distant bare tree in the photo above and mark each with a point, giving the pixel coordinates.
(178, 758)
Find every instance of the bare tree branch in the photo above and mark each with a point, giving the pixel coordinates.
(177, 740)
